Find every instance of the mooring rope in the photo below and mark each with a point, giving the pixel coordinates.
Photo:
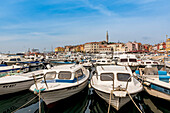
(39, 101)
(24, 104)
(111, 93)
(134, 102)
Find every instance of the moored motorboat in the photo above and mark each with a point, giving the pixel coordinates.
(13, 68)
(153, 63)
(104, 62)
(128, 60)
(117, 82)
(61, 82)
(155, 82)
(19, 82)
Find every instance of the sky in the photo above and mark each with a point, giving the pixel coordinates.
(46, 24)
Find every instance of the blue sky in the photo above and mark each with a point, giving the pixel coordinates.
(50, 23)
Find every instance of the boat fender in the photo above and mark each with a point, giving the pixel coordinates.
(146, 83)
(89, 85)
(36, 91)
(18, 71)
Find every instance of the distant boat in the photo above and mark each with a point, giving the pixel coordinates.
(119, 81)
(4, 70)
(153, 63)
(104, 62)
(128, 60)
(13, 60)
(61, 82)
(62, 62)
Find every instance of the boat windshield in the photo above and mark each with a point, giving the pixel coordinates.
(123, 76)
(64, 75)
(151, 71)
(148, 62)
(155, 62)
(107, 77)
(132, 60)
(13, 59)
(123, 60)
(79, 73)
(108, 61)
(50, 75)
(18, 59)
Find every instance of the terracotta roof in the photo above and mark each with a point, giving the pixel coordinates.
(92, 43)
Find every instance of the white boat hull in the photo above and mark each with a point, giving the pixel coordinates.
(15, 86)
(56, 95)
(116, 102)
(156, 93)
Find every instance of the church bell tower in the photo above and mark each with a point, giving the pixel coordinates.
(107, 37)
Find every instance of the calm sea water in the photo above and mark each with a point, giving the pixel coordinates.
(87, 101)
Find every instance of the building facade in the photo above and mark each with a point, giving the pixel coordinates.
(168, 45)
(92, 47)
(59, 49)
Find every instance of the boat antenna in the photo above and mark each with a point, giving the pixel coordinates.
(102, 68)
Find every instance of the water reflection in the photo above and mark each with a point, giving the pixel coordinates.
(87, 101)
(153, 104)
(11, 102)
(75, 104)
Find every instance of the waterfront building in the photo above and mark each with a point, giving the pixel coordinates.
(80, 48)
(145, 47)
(104, 49)
(131, 46)
(92, 47)
(68, 48)
(168, 45)
(134, 46)
(59, 49)
(118, 47)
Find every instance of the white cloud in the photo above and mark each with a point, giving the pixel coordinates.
(101, 8)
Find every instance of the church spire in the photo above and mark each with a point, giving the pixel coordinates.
(107, 37)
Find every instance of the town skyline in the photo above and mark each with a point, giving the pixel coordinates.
(109, 47)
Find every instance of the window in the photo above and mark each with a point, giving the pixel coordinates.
(148, 62)
(155, 62)
(132, 60)
(13, 59)
(79, 73)
(50, 75)
(123, 60)
(106, 77)
(103, 61)
(18, 59)
(123, 76)
(64, 75)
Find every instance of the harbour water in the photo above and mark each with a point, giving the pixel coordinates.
(87, 101)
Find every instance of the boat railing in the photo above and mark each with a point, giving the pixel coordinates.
(45, 81)
(128, 82)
